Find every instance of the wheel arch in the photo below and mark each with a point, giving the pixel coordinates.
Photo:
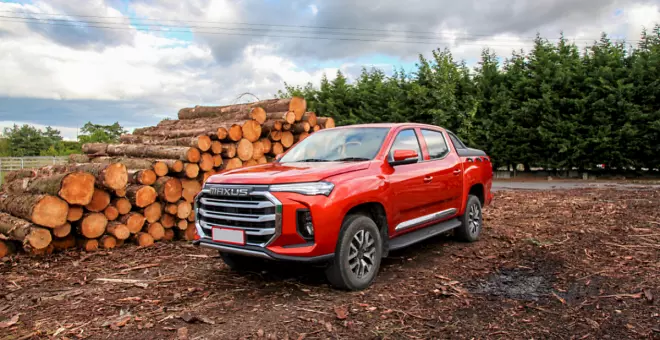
(376, 211)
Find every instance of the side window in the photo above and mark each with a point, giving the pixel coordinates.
(436, 144)
(406, 140)
(457, 142)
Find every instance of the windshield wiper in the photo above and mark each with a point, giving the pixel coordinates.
(357, 159)
(313, 160)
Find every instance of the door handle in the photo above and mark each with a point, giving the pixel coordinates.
(457, 171)
(428, 179)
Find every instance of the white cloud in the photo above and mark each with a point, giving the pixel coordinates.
(314, 9)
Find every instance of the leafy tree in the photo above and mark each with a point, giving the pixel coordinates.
(95, 133)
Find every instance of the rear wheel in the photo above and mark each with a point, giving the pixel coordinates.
(358, 254)
(471, 221)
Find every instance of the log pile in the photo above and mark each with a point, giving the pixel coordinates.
(141, 190)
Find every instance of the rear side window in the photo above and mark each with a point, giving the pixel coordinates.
(457, 142)
(406, 140)
(436, 144)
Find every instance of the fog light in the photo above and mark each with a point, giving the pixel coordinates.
(305, 225)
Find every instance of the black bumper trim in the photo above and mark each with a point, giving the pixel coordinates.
(261, 252)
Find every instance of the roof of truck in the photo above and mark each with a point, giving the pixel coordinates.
(389, 125)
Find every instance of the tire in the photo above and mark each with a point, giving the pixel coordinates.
(239, 263)
(358, 233)
(471, 221)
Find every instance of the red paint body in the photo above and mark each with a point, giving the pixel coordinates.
(405, 191)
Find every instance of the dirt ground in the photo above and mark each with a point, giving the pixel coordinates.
(561, 264)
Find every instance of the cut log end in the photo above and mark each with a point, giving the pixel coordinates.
(118, 230)
(287, 139)
(244, 150)
(206, 163)
(134, 222)
(204, 142)
(183, 209)
(77, 188)
(93, 225)
(161, 169)
(258, 114)
(142, 195)
(123, 205)
(75, 213)
(298, 105)
(120, 192)
(156, 231)
(107, 242)
(88, 245)
(39, 238)
(167, 221)
(233, 163)
(229, 150)
(251, 130)
(221, 133)
(191, 187)
(250, 162)
(6, 248)
(50, 211)
(190, 233)
(145, 240)
(216, 147)
(191, 170)
(182, 225)
(193, 155)
(153, 212)
(116, 176)
(168, 189)
(168, 235)
(111, 213)
(262, 160)
(217, 161)
(62, 231)
(277, 149)
(100, 200)
(235, 133)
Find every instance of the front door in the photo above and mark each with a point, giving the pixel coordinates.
(444, 170)
(409, 183)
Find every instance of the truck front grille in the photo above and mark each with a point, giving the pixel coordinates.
(255, 213)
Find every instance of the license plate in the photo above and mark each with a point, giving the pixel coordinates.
(228, 235)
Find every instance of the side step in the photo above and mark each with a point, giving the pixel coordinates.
(424, 233)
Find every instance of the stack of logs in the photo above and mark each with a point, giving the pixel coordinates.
(142, 190)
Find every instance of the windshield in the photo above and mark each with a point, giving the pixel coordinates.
(345, 144)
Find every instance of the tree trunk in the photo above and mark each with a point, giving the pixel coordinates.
(141, 195)
(164, 166)
(251, 130)
(206, 163)
(325, 122)
(118, 230)
(19, 174)
(286, 127)
(309, 117)
(153, 212)
(144, 239)
(184, 131)
(217, 161)
(112, 176)
(269, 126)
(17, 229)
(191, 170)
(191, 187)
(123, 205)
(144, 177)
(296, 104)
(154, 151)
(95, 148)
(301, 136)
(183, 209)
(75, 213)
(277, 149)
(75, 187)
(107, 242)
(92, 225)
(111, 213)
(244, 150)
(63, 230)
(233, 163)
(266, 144)
(202, 142)
(44, 210)
(167, 221)
(156, 231)
(287, 139)
(257, 150)
(301, 127)
(133, 221)
(100, 200)
(78, 158)
(228, 150)
(168, 188)
(282, 117)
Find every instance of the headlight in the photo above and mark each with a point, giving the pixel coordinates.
(311, 188)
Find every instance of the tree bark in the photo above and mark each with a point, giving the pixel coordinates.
(144, 177)
(296, 104)
(301, 127)
(44, 210)
(92, 225)
(325, 122)
(118, 230)
(78, 158)
(309, 117)
(75, 187)
(283, 117)
(20, 174)
(112, 176)
(17, 229)
(168, 188)
(154, 151)
(269, 126)
(141, 195)
(202, 142)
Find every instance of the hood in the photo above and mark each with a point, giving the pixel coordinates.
(279, 173)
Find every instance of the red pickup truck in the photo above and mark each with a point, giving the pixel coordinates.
(345, 197)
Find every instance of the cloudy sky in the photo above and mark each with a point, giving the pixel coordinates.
(66, 62)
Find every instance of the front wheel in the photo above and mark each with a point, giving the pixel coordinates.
(358, 254)
(471, 221)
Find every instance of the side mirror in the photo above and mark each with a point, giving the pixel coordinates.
(404, 157)
(278, 157)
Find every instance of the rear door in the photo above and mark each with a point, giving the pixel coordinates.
(408, 184)
(444, 169)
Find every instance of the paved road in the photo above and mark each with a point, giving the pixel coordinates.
(555, 184)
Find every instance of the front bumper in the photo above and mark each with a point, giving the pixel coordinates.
(285, 244)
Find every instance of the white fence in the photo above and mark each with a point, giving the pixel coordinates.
(16, 163)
